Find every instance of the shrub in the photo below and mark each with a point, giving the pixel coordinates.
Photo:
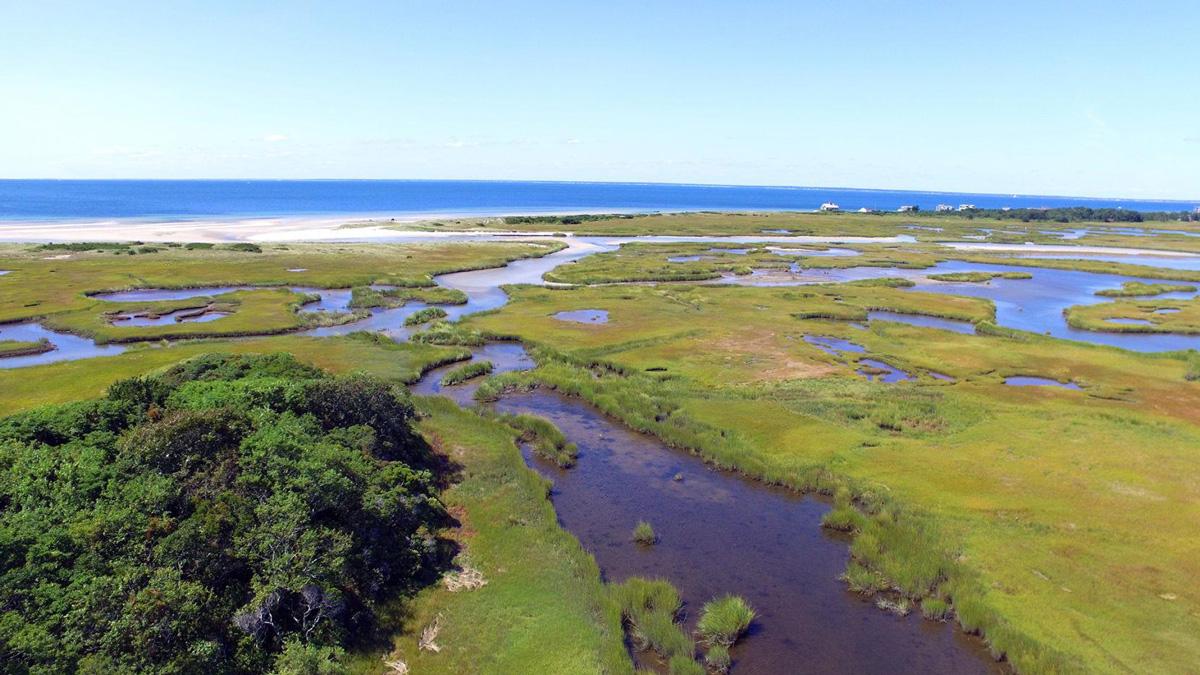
(644, 534)
(243, 247)
(725, 619)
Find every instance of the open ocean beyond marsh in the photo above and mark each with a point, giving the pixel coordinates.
(195, 199)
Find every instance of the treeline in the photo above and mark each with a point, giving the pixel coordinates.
(1072, 214)
(576, 219)
(233, 515)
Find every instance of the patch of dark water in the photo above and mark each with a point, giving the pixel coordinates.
(583, 316)
(1026, 381)
(69, 347)
(721, 533)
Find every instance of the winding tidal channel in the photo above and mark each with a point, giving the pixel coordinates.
(719, 532)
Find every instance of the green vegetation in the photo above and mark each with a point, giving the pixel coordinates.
(545, 439)
(256, 312)
(1152, 316)
(369, 297)
(446, 333)
(208, 517)
(716, 658)
(9, 348)
(979, 277)
(961, 490)
(39, 285)
(724, 620)
(544, 608)
(466, 372)
(1136, 289)
(650, 612)
(644, 534)
(424, 315)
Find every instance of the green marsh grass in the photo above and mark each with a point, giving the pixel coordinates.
(466, 372)
(644, 534)
(725, 619)
(424, 315)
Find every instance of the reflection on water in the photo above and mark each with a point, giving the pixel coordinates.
(70, 347)
(583, 316)
(924, 321)
(1022, 381)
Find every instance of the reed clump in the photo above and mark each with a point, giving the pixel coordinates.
(644, 534)
(466, 372)
(725, 619)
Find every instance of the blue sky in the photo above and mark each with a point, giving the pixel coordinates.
(1047, 97)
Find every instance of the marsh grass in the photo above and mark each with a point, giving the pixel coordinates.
(725, 619)
(466, 372)
(644, 534)
(447, 333)
(650, 611)
(543, 437)
(1134, 289)
(716, 658)
(424, 315)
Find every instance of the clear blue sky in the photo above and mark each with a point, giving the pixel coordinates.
(1044, 97)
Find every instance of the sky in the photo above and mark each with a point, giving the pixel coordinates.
(1097, 99)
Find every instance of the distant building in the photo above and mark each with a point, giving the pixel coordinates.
(830, 206)
(1006, 208)
(867, 209)
(1196, 210)
(944, 207)
(966, 207)
(909, 209)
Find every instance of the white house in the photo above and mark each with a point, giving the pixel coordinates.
(944, 207)
(908, 209)
(966, 207)
(867, 209)
(830, 206)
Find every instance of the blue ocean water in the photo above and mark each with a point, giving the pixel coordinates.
(191, 199)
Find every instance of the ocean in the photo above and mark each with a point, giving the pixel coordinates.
(199, 199)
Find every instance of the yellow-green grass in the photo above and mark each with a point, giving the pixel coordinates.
(10, 348)
(63, 381)
(979, 277)
(41, 283)
(676, 325)
(544, 608)
(1062, 520)
(1180, 316)
(1136, 289)
(255, 312)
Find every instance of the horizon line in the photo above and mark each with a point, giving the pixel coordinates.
(608, 182)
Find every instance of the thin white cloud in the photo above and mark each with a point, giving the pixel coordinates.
(572, 141)
(275, 138)
(1192, 139)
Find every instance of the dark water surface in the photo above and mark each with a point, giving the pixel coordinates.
(722, 533)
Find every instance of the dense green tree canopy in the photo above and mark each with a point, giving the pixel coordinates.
(209, 519)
